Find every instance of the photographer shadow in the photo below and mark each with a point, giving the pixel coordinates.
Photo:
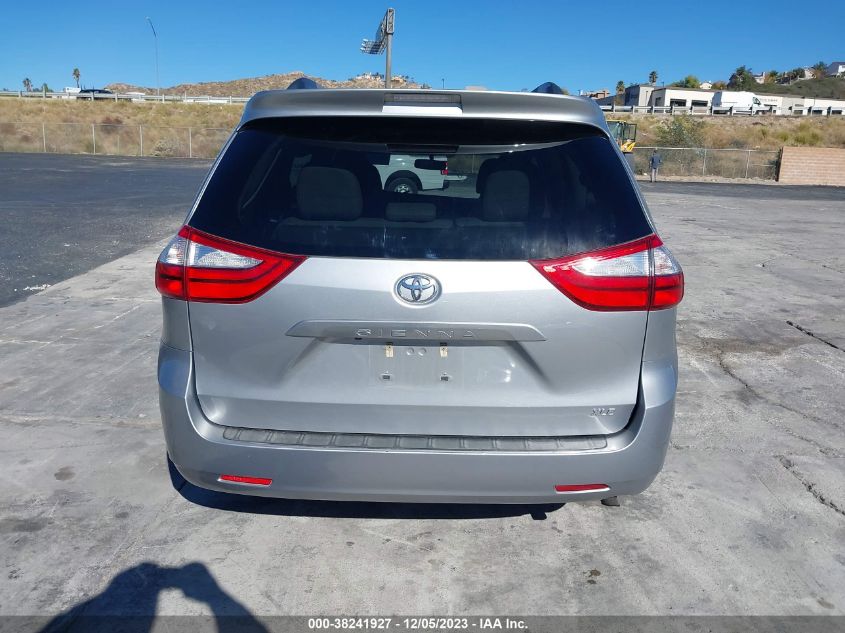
(129, 603)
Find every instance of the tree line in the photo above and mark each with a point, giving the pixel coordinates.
(28, 85)
(741, 79)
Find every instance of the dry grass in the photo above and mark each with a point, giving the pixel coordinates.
(29, 114)
(755, 133)
(65, 127)
(51, 111)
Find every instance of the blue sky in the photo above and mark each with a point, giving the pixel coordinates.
(499, 44)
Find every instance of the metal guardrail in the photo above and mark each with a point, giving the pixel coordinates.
(112, 139)
(714, 111)
(135, 97)
(620, 109)
(701, 162)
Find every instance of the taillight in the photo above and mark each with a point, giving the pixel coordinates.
(445, 170)
(196, 266)
(638, 275)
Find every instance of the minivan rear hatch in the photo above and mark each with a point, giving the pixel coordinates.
(432, 313)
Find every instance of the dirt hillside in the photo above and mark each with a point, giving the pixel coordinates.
(249, 86)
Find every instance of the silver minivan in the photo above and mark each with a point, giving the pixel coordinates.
(508, 339)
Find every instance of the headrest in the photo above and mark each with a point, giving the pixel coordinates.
(410, 212)
(328, 193)
(506, 196)
(549, 87)
(502, 163)
(303, 83)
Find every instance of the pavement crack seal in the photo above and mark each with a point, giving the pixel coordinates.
(824, 450)
(815, 336)
(809, 485)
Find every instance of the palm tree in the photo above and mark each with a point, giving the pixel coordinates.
(819, 69)
(27, 84)
(652, 77)
(620, 87)
(76, 74)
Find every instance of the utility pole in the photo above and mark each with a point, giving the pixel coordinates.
(155, 37)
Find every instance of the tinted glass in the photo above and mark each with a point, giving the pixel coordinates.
(421, 189)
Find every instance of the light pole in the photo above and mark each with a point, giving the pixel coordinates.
(155, 37)
(382, 42)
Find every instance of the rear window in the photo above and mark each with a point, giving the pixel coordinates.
(421, 189)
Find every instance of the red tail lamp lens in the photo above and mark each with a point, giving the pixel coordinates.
(196, 266)
(638, 275)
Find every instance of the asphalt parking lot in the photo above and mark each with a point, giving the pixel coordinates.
(747, 518)
(63, 215)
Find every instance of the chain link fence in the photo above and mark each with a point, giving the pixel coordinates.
(194, 142)
(112, 139)
(702, 162)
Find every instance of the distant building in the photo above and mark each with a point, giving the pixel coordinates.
(682, 97)
(643, 95)
(648, 95)
(760, 79)
(836, 69)
(595, 94)
(636, 95)
(705, 85)
(800, 74)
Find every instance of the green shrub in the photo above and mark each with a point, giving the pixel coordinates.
(681, 131)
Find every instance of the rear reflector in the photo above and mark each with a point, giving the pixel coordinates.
(196, 266)
(581, 487)
(240, 479)
(638, 275)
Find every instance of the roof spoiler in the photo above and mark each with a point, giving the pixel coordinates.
(303, 83)
(550, 88)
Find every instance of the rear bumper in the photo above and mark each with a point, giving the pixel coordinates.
(628, 464)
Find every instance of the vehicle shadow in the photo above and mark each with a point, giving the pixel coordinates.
(128, 604)
(351, 509)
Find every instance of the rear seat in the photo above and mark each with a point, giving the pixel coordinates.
(330, 206)
(414, 214)
(505, 210)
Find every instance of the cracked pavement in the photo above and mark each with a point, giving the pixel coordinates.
(746, 518)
